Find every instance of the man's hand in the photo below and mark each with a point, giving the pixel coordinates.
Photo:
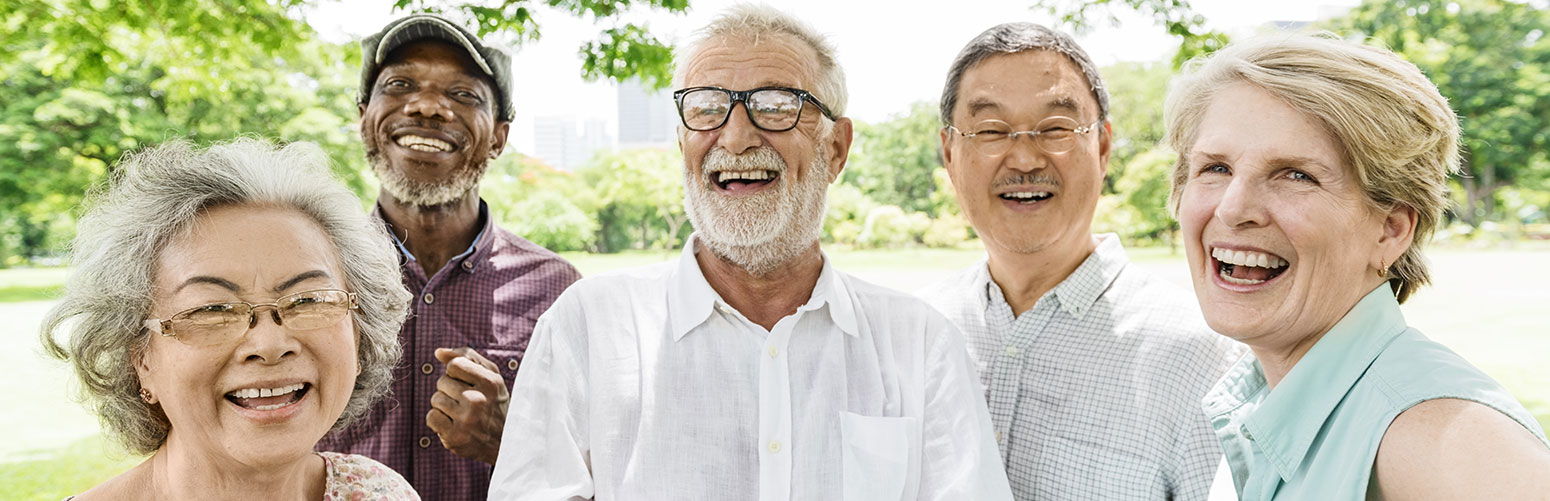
(468, 410)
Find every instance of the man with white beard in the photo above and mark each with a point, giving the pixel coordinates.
(750, 368)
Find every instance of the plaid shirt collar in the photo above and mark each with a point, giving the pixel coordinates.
(477, 254)
(1077, 291)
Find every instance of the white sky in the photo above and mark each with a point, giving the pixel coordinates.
(894, 52)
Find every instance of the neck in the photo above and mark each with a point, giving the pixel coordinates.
(182, 472)
(1024, 277)
(435, 234)
(1277, 360)
(763, 299)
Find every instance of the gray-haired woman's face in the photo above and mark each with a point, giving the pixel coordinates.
(1281, 242)
(262, 395)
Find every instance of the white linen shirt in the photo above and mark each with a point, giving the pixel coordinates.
(645, 385)
(1095, 391)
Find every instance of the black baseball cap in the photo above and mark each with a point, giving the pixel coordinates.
(494, 60)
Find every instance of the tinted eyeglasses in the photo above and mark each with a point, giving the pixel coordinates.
(219, 323)
(775, 109)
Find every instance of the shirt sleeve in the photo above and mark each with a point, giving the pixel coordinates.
(961, 460)
(544, 453)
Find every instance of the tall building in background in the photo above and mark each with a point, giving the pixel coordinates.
(559, 142)
(646, 118)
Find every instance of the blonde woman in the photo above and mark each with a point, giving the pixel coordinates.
(1310, 171)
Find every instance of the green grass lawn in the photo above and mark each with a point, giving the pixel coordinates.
(1489, 305)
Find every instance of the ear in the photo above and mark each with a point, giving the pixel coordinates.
(360, 110)
(142, 368)
(839, 140)
(1398, 231)
(947, 153)
(1105, 143)
(498, 144)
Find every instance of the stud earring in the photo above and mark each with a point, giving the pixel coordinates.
(1383, 269)
(146, 396)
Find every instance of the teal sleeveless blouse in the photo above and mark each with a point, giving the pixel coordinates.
(1316, 435)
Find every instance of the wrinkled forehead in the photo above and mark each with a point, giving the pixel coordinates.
(741, 61)
(1037, 81)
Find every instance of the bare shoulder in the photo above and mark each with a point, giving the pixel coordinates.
(1458, 449)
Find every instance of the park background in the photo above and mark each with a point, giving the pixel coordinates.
(87, 80)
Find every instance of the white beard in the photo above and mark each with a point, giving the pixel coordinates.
(760, 232)
(462, 180)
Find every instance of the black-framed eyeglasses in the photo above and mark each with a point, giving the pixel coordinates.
(1056, 134)
(775, 109)
(219, 323)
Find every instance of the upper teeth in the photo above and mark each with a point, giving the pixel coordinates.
(1026, 194)
(266, 392)
(1247, 258)
(752, 175)
(419, 143)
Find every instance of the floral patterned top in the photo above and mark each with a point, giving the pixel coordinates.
(353, 477)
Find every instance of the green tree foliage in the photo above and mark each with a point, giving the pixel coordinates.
(620, 52)
(550, 207)
(637, 196)
(1176, 16)
(1491, 58)
(1136, 93)
(892, 161)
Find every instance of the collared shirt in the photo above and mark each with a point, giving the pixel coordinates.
(488, 298)
(645, 384)
(1094, 391)
(1316, 434)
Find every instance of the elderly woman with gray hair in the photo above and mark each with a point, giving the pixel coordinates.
(228, 307)
(1310, 171)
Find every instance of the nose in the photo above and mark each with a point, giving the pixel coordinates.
(268, 342)
(428, 104)
(1242, 204)
(1023, 155)
(738, 134)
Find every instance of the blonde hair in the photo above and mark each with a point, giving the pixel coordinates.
(754, 21)
(1396, 130)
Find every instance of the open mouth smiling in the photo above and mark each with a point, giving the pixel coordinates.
(743, 180)
(423, 144)
(1239, 267)
(268, 399)
(1026, 197)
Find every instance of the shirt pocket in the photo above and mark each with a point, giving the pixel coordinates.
(876, 455)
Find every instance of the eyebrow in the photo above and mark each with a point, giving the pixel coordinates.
(300, 278)
(1061, 103)
(228, 285)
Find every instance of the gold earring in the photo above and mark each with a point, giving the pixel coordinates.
(1383, 269)
(146, 396)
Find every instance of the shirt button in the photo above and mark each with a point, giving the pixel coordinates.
(1245, 431)
(774, 352)
(426, 368)
(468, 265)
(724, 309)
(775, 446)
(1011, 351)
(429, 298)
(511, 364)
(425, 442)
(999, 438)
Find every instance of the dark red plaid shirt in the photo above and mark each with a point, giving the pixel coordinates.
(487, 298)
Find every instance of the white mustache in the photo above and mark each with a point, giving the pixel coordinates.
(718, 159)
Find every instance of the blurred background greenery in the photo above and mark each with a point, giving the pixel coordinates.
(85, 81)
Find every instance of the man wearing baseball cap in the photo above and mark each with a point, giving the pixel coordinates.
(435, 104)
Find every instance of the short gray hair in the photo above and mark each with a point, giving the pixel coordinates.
(1395, 129)
(154, 197)
(755, 21)
(1011, 38)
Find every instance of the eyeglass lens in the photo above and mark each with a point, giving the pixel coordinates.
(1053, 135)
(220, 322)
(773, 109)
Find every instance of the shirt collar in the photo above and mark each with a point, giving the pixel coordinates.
(1079, 290)
(1289, 418)
(690, 299)
(470, 259)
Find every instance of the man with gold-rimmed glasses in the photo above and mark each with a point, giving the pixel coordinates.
(1093, 370)
(749, 368)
